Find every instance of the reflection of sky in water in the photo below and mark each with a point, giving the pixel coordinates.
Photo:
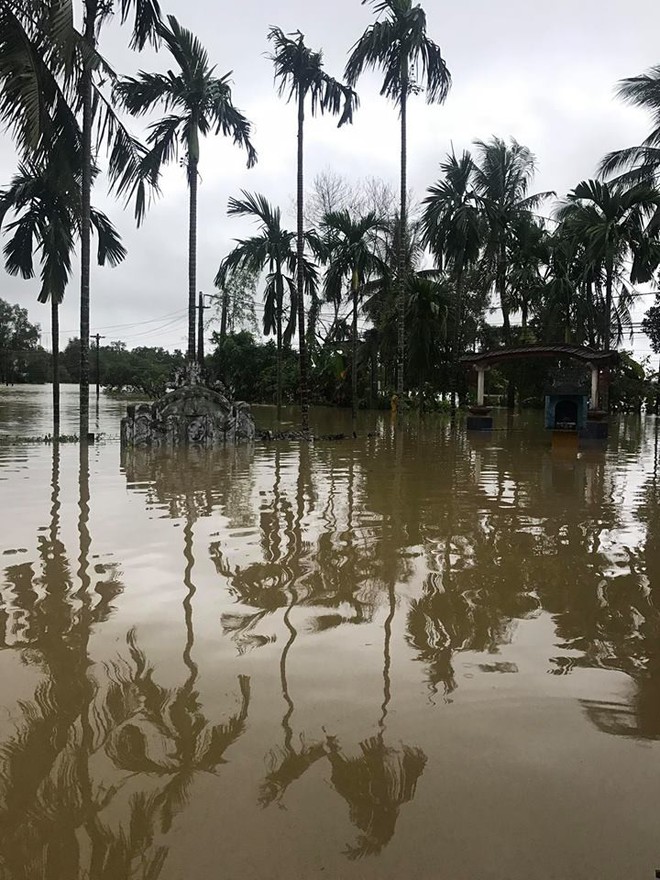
(372, 652)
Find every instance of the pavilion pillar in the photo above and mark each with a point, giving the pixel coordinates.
(594, 386)
(481, 385)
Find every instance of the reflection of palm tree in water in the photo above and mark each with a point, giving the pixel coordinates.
(189, 743)
(288, 763)
(55, 812)
(375, 784)
(51, 824)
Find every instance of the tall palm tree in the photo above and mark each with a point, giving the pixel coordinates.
(615, 224)
(452, 229)
(45, 201)
(51, 76)
(272, 251)
(640, 163)
(410, 61)
(299, 73)
(354, 255)
(198, 103)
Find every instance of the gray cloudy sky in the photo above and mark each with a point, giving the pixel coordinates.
(542, 72)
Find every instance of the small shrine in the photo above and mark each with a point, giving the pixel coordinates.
(193, 413)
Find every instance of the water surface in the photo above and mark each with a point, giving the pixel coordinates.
(414, 654)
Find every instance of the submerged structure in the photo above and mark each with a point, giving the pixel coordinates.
(569, 406)
(192, 414)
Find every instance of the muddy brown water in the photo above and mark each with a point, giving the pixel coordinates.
(412, 655)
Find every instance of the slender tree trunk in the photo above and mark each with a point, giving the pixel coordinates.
(506, 323)
(223, 315)
(200, 331)
(401, 256)
(304, 390)
(55, 332)
(607, 341)
(354, 382)
(456, 340)
(609, 279)
(91, 9)
(192, 257)
(278, 366)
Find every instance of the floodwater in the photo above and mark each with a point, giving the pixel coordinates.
(411, 655)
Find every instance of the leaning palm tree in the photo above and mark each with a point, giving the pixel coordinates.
(613, 221)
(45, 203)
(272, 251)
(299, 73)
(198, 103)
(353, 254)
(452, 229)
(398, 45)
(640, 163)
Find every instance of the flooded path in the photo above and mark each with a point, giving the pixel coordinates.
(411, 655)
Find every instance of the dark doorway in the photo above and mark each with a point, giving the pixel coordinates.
(566, 413)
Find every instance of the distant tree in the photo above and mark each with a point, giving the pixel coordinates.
(353, 256)
(234, 307)
(399, 46)
(651, 325)
(18, 340)
(452, 227)
(299, 73)
(198, 103)
(271, 251)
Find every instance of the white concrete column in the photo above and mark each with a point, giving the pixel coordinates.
(481, 384)
(594, 386)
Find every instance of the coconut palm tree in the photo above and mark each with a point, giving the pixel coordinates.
(640, 163)
(353, 254)
(452, 229)
(299, 74)
(502, 177)
(616, 224)
(198, 103)
(45, 203)
(410, 61)
(272, 251)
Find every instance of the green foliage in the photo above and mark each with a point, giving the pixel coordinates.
(629, 387)
(249, 368)
(651, 325)
(21, 356)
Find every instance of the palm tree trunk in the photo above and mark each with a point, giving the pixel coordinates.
(91, 9)
(278, 366)
(401, 256)
(354, 382)
(506, 323)
(55, 332)
(609, 278)
(609, 281)
(304, 391)
(457, 334)
(192, 257)
(223, 315)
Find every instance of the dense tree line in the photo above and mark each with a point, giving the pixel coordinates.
(410, 284)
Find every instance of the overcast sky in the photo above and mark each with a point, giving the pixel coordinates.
(542, 72)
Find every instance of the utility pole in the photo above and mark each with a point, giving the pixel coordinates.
(98, 337)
